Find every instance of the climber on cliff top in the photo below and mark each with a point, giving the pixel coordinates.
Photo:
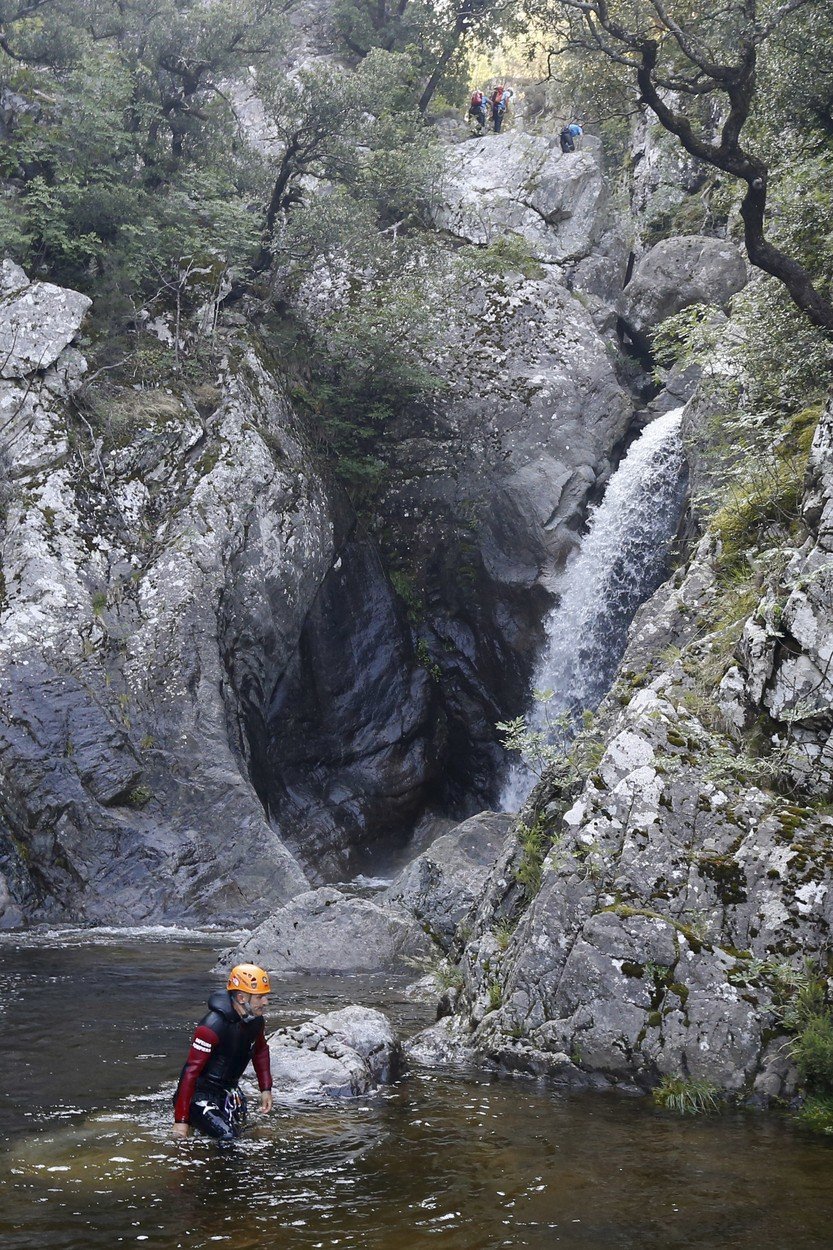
(477, 109)
(232, 1033)
(500, 99)
(569, 135)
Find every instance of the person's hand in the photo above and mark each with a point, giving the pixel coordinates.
(265, 1101)
(182, 1130)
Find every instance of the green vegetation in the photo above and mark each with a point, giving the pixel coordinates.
(441, 38)
(449, 976)
(817, 1114)
(535, 842)
(802, 1009)
(813, 1051)
(139, 797)
(686, 1096)
(503, 930)
(495, 995)
(565, 747)
(720, 84)
(126, 175)
(509, 253)
(122, 155)
(764, 506)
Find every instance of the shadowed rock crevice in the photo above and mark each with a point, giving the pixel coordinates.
(354, 736)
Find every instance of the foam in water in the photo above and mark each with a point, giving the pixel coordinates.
(620, 562)
(112, 935)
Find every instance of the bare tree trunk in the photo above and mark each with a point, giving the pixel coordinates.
(461, 25)
(439, 69)
(732, 159)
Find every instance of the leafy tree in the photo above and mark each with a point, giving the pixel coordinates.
(123, 169)
(437, 37)
(365, 24)
(349, 256)
(175, 52)
(355, 129)
(459, 20)
(699, 69)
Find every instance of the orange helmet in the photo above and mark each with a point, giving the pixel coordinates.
(249, 979)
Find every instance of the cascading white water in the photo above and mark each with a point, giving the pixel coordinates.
(620, 562)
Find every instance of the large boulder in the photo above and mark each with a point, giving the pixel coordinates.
(341, 1054)
(326, 931)
(439, 886)
(676, 273)
(38, 320)
(524, 184)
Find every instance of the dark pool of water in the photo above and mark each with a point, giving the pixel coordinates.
(92, 1036)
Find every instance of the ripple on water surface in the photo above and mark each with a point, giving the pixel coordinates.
(459, 1161)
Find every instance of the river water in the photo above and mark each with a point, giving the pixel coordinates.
(93, 1032)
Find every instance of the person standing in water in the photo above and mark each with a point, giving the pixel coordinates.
(231, 1034)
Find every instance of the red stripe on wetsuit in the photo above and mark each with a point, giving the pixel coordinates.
(202, 1044)
(260, 1062)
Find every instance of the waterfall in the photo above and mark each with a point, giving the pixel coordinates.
(620, 562)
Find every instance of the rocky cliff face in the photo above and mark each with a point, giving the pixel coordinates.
(205, 666)
(680, 881)
(213, 694)
(486, 488)
(136, 580)
(491, 483)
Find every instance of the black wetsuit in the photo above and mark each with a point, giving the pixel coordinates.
(223, 1043)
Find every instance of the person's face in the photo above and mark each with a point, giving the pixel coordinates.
(258, 1003)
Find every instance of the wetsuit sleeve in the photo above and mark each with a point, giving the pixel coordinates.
(260, 1062)
(202, 1044)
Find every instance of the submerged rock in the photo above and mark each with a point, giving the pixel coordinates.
(341, 1054)
(326, 931)
(444, 1044)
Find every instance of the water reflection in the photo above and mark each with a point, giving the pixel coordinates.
(459, 1161)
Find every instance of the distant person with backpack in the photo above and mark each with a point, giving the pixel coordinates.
(568, 135)
(500, 100)
(477, 109)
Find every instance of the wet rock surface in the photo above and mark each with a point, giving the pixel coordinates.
(352, 728)
(326, 930)
(340, 1054)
